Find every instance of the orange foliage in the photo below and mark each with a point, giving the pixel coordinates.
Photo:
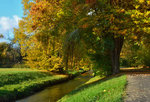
(90, 1)
(37, 1)
(85, 26)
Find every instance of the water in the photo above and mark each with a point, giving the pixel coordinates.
(54, 93)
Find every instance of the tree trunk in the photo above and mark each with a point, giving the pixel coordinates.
(66, 62)
(115, 54)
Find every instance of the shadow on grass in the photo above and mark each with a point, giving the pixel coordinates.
(4, 96)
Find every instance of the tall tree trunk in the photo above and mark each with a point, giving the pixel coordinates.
(115, 54)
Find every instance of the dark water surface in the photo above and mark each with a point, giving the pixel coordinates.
(54, 93)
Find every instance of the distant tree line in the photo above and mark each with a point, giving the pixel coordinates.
(9, 55)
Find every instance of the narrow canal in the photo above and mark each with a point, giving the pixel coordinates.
(54, 93)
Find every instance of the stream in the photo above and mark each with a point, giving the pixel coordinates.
(55, 92)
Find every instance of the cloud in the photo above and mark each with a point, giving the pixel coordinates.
(6, 27)
(7, 24)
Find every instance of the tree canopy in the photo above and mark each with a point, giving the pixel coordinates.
(81, 33)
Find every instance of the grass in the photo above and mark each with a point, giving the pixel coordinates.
(94, 79)
(74, 72)
(15, 69)
(17, 83)
(110, 90)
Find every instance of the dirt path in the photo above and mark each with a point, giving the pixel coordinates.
(138, 88)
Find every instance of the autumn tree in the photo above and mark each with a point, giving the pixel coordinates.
(106, 24)
(8, 54)
(76, 30)
(39, 42)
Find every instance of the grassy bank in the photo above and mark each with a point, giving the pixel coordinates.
(17, 83)
(109, 90)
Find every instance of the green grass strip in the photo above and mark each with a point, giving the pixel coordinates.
(110, 90)
(9, 78)
(15, 91)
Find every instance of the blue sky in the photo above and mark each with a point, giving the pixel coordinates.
(11, 11)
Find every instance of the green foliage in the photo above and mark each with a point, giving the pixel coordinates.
(1, 35)
(8, 54)
(129, 55)
(135, 54)
(144, 56)
(99, 56)
(144, 52)
(101, 64)
(74, 72)
(110, 90)
(124, 62)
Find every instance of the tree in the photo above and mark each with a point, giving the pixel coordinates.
(111, 22)
(61, 27)
(89, 23)
(8, 54)
(1, 36)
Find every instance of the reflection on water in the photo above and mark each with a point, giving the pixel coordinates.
(53, 93)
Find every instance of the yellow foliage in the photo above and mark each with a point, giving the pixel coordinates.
(116, 28)
(134, 37)
(141, 1)
(96, 31)
(148, 2)
(60, 13)
(122, 10)
(132, 16)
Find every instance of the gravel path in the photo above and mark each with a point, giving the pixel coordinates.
(138, 88)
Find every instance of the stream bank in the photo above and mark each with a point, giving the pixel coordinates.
(54, 93)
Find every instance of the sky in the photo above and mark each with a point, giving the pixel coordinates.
(11, 11)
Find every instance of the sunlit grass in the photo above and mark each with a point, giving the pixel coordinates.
(128, 68)
(16, 83)
(16, 69)
(110, 90)
(94, 79)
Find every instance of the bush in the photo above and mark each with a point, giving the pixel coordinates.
(124, 62)
(144, 56)
(129, 55)
(19, 65)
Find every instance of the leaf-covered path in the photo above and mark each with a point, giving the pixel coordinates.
(138, 88)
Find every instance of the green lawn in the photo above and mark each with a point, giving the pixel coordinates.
(109, 90)
(16, 83)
